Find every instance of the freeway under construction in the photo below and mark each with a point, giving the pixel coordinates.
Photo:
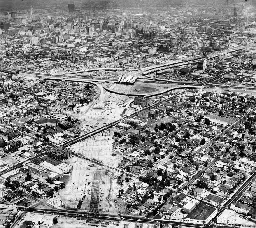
(92, 214)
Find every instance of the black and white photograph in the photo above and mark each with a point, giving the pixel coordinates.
(127, 113)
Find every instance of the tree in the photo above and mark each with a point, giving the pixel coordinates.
(134, 139)
(186, 135)
(7, 182)
(134, 187)
(15, 184)
(221, 113)
(157, 150)
(199, 118)
(79, 205)
(230, 174)
(117, 134)
(207, 121)
(201, 184)
(167, 182)
(55, 220)
(127, 179)
(162, 126)
(28, 177)
(159, 172)
(150, 164)
(49, 180)
(147, 152)
(202, 141)
(213, 177)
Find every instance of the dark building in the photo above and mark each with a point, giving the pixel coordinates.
(4, 25)
(13, 14)
(71, 7)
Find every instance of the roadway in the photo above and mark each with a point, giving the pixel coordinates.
(198, 174)
(106, 216)
(105, 127)
(151, 94)
(209, 166)
(100, 95)
(96, 131)
(98, 98)
(112, 124)
(20, 164)
(236, 195)
(178, 63)
(88, 215)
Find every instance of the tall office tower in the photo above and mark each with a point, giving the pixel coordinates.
(13, 14)
(31, 13)
(71, 7)
(235, 12)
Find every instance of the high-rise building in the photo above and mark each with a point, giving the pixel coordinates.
(5, 25)
(71, 7)
(235, 12)
(31, 13)
(13, 14)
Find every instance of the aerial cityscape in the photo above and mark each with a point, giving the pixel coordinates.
(127, 114)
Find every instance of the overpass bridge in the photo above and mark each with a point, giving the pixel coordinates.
(112, 124)
(180, 63)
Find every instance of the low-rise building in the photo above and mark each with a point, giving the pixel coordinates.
(190, 205)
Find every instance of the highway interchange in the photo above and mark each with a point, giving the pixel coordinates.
(96, 131)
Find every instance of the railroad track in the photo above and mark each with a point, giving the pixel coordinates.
(87, 215)
(113, 217)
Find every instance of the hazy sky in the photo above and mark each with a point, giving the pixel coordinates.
(23, 4)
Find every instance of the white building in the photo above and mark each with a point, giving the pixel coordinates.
(190, 205)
